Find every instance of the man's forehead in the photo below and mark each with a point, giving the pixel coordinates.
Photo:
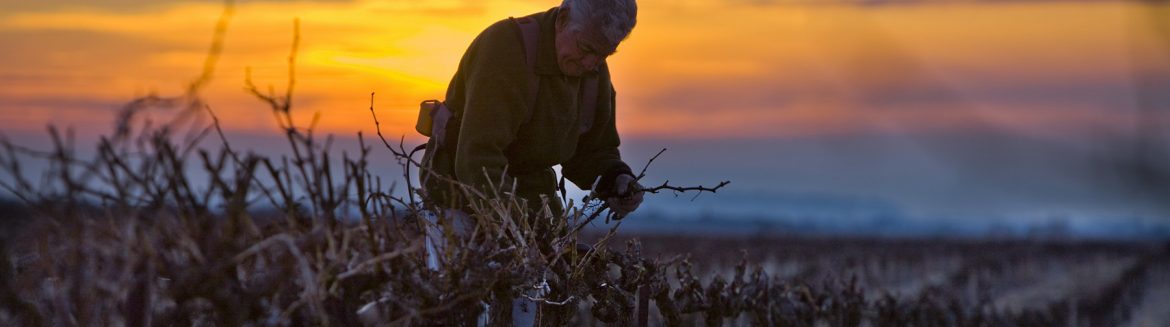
(598, 41)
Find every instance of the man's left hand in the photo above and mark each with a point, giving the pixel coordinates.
(627, 195)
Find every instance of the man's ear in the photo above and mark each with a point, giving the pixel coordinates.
(563, 17)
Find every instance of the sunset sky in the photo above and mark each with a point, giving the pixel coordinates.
(941, 108)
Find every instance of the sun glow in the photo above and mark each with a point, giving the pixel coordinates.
(691, 68)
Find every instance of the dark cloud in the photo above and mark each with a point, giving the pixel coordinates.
(704, 97)
(77, 62)
(1000, 91)
(52, 49)
(58, 103)
(989, 92)
(873, 70)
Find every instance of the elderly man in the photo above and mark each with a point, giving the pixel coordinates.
(531, 93)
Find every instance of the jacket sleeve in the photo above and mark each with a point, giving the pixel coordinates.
(597, 151)
(496, 80)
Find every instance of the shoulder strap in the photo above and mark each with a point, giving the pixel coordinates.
(530, 33)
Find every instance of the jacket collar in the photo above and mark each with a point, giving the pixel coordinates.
(546, 56)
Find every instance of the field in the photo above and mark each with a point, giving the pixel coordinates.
(155, 229)
(1057, 282)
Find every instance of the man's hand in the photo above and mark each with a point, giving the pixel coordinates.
(627, 195)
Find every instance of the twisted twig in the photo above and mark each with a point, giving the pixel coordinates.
(666, 186)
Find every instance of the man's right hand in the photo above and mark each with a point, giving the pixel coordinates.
(626, 196)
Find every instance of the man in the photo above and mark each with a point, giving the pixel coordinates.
(531, 93)
(518, 119)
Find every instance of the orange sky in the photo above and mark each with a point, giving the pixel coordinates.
(937, 107)
(709, 69)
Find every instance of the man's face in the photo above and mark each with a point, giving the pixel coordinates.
(580, 52)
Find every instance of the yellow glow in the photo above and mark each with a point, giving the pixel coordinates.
(755, 70)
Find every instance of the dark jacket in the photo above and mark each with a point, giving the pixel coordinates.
(495, 128)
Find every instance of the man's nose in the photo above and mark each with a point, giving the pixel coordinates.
(590, 62)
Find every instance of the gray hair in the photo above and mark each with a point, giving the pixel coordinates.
(613, 18)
